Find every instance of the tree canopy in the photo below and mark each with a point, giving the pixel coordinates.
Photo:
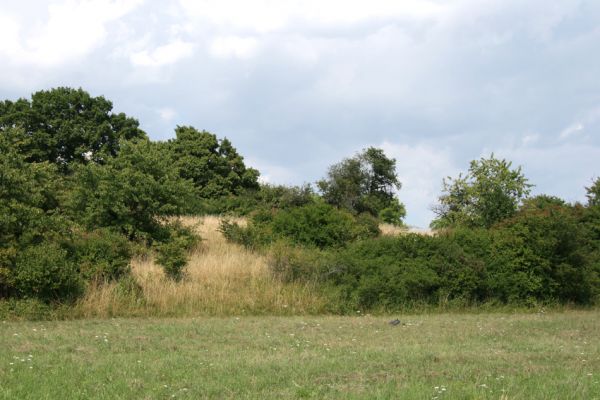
(65, 125)
(364, 183)
(214, 166)
(490, 192)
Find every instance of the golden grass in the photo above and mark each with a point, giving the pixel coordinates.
(221, 279)
(394, 230)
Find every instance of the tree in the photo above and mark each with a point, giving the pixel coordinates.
(131, 193)
(364, 183)
(213, 165)
(593, 193)
(65, 125)
(490, 192)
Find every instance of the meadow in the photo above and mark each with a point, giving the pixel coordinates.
(553, 355)
(221, 278)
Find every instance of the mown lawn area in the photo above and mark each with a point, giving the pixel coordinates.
(552, 355)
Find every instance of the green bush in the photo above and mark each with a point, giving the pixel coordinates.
(102, 255)
(173, 251)
(130, 193)
(47, 273)
(543, 254)
(315, 225)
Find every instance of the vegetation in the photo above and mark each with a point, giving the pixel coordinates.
(90, 226)
(546, 355)
(490, 192)
(365, 183)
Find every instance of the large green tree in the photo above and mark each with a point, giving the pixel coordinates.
(365, 183)
(489, 192)
(65, 125)
(214, 165)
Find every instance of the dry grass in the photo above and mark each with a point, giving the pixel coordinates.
(221, 279)
(393, 230)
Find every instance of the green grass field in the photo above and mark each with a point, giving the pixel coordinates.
(451, 356)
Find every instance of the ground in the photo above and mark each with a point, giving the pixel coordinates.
(449, 356)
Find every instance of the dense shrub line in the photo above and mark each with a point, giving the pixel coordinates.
(540, 256)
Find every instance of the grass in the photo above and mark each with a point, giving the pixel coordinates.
(221, 279)
(452, 356)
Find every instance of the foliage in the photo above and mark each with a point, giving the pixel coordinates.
(318, 225)
(363, 183)
(173, 250)
(102, 255)
(66, 125)
(593, 193)
(46, 272)
(490, 192)
(538, 256)
(541, 255)
(130, 193)
(214, 166)
(393, 213)
(542, 202)
(265, 197)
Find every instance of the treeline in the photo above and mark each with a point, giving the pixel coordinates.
(83, 189)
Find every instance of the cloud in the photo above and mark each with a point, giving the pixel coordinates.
(560, 170)
(72, 30)
(233, 47)
(421, 168)
(571, 130)
(167, 114)
(264, 16)
(166, 54)
(272, 173)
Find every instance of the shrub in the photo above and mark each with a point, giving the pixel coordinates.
(46, 272)
(315, 225)
(543, 255)
(130, 193)
(173, 250)
(386, 272)
(102, 255)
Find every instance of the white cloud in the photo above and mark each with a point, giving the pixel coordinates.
(233, 47)
(163, 55)
(571, 130)
(72, 30)
(562, 170)
(264, 16)
(530, 139)
(167, 114)
(420, 168)
(271, 173)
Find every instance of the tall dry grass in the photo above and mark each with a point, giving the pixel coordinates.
(221, 279)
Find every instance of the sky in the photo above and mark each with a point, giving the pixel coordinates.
(300, 85)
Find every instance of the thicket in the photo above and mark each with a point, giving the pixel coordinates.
(539, 256)
(82, 189)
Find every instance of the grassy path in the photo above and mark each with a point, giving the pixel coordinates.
(488, 356)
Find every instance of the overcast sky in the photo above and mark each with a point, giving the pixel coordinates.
(299, 85)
